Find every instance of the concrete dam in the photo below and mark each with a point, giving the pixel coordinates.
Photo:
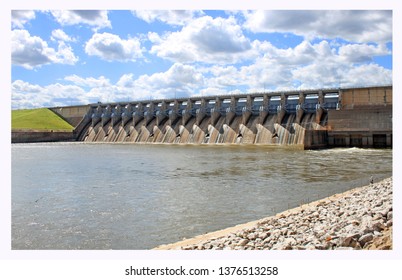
(345, 117)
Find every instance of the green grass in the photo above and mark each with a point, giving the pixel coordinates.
(38, 119)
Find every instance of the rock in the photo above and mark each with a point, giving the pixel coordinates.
(378, 226)
(208, 246)
(365, 238)
(242, 242)
(354, 222)
(252, 236)
(349, 241)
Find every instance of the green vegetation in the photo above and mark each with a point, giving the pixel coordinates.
(38, 119)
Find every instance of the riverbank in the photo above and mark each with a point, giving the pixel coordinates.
(357, 219)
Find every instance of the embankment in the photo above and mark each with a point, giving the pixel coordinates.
(357, 219)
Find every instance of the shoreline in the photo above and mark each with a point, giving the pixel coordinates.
(368, 220)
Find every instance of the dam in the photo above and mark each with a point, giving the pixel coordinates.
(341, 117)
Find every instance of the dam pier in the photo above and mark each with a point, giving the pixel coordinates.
(341, 117)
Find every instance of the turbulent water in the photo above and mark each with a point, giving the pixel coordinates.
(133, 196)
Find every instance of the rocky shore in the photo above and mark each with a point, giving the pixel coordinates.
(357, 219)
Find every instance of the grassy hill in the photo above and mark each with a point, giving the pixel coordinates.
(38, 119)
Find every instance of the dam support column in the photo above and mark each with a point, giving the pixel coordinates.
(319, 109)
(127, 114)
(232, 111)
(299, 108)
(96, 115)
(116, 115)
(247, 110)
(187, 114)
(281, 109)
(149, 114)
(106, 115)
(138, 114)
(175, 112)
(201, 112)
(264, 109)
(161, 114)
(216, 111)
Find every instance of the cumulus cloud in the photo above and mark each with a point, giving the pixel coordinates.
(94, 18)
(111, 47)
(360, 53)
(205, 39)
(31, 51)
(179, 78)
(353, 25)
(367, 74)
(88, 82)
(305, 66)
(172, 17)
(26, 95)
(21, 17)
(60, 35)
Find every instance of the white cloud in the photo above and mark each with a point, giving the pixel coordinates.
(172, 17)
(31, 51)
(22, 87)
(204, 39)
(179, 78)
(111, 47)
(65, 55)
(60, 35)
(360, 53)
(368, 74)
(95, 18)
(89, 82)
(126, 81)
(306, 65)
(351, 25)
(26, 95)
(21, 17)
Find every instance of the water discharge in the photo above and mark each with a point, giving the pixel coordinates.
(133, 196)
(228, 128)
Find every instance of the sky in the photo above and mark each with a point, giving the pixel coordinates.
(67, 57)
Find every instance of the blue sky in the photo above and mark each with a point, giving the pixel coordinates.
(65, 57)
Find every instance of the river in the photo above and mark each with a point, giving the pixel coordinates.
(137, 196)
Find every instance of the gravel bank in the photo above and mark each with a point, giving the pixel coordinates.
(357, 219)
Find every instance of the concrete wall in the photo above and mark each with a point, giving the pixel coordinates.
(364, 126)
(72, 114)
(40, 136)
(371, 96)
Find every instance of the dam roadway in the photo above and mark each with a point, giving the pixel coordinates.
(359, 117)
